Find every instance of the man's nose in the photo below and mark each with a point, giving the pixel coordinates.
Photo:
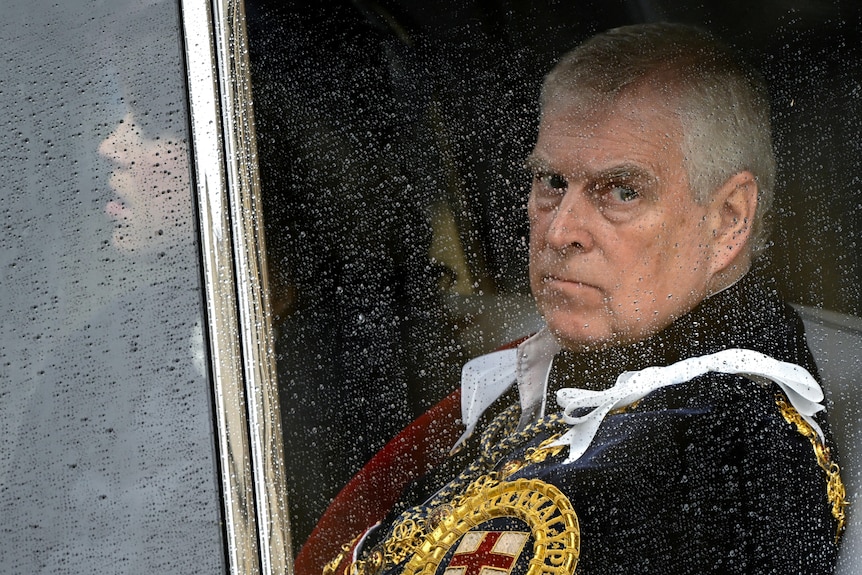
(570, 227)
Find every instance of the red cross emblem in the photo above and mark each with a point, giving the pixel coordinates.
(496, 551)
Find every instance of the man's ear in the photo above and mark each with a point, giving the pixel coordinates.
(732, 208)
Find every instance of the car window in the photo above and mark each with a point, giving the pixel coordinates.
(391, 140)
(108, 455)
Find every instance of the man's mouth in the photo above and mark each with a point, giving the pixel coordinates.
(570, 288)
(553, 280)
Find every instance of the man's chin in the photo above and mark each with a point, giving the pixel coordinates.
(582, 334)
(578, 333)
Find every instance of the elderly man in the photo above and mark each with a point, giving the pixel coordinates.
(691, 437)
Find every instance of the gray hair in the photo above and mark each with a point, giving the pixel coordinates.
(723, 105)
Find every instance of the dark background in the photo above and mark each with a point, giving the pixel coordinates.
(369, 114)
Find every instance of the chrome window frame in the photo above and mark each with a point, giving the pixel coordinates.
(227, 187)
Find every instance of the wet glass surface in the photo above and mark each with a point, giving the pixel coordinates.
(392, 137)
(108, 461)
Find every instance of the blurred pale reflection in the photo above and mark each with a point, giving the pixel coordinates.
(107, 459)
(150, 178)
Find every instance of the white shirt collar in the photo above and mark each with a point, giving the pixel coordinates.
(485, 378)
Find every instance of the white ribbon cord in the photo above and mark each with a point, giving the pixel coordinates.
(801, 388)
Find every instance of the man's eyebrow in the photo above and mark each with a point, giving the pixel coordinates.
(624, 171)
(536, 163)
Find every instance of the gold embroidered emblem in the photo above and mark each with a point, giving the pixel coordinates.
(543, 508)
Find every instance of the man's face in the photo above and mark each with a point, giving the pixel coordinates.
(150, 178)
(618, 246)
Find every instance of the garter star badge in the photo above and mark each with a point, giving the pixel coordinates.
(521, 527)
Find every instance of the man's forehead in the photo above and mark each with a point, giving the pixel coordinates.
(631, 132)
(584, 152)
(588, 108)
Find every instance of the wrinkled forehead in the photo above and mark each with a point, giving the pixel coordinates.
(642, 114)
(649, 100)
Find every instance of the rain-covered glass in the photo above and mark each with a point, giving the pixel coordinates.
(392, 138)
(107, 462)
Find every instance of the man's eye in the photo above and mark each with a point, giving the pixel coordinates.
(623, 194)
(557, 182)
(553, 181)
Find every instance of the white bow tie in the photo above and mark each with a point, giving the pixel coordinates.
(802, 390)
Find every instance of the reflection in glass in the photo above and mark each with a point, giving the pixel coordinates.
(108, 462)
(150, 178)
